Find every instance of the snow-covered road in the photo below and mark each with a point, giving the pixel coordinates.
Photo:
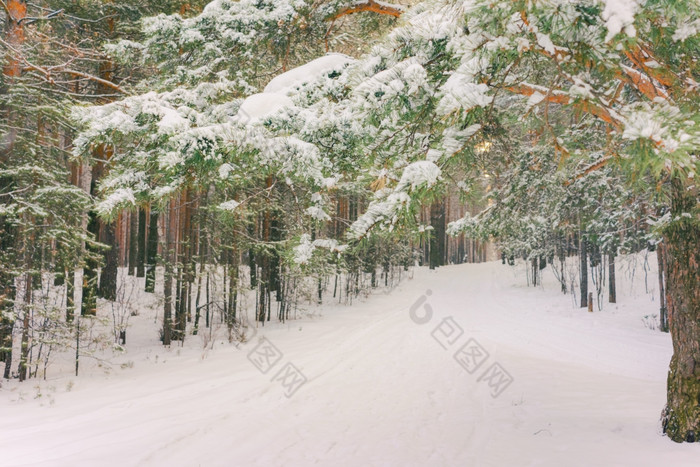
(381, 389)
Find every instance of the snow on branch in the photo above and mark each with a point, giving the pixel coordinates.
(381, 8)
(561, 97)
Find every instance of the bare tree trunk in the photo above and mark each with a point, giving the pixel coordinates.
(108, 276)
(583, 259)
(152, 251)
(89, 303)
(195, 328)
(26, 323)
(437, 235)
(7, 291)
(168, 280)
(535, 271)
(663, 311)
(6, 327)
(232, 288)
(141, 244)
(70, 292)
(133, 242)
(612, 292)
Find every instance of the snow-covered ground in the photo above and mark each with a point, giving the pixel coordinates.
(381, 388)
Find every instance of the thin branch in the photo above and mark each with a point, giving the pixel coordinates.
(81, 53)
(84, 20)
(6, 8)
(34, 19)
(46, 72)
(101, 81)
(591, 168)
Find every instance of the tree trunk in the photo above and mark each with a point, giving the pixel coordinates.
(232, 288)
(108, 277)
(561, 254)
(152, 252)
(168, 280)
(8, 240)
(26, 322)
(612, 292)
(133, 242)
(141, 245)
(14, 33)
(6, 322)
(583, 255)
(681, 417)
(663, 311)
(437, 237)
(70, 291)
(89, 303)
(535, 271)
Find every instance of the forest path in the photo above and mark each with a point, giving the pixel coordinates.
(587, 388)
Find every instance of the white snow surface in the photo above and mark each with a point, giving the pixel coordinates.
(588, 387)
(619, 15)
(257, 107)
(287, 81)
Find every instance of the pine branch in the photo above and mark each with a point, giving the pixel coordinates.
(370, 5)
(640, 56)
(90, 77)
(642, 83)
(556, 96)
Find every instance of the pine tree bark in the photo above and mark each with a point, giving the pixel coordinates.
(14, 32)
(681, 416)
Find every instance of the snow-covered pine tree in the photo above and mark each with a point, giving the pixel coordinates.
(50, 62)
(235, 157)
